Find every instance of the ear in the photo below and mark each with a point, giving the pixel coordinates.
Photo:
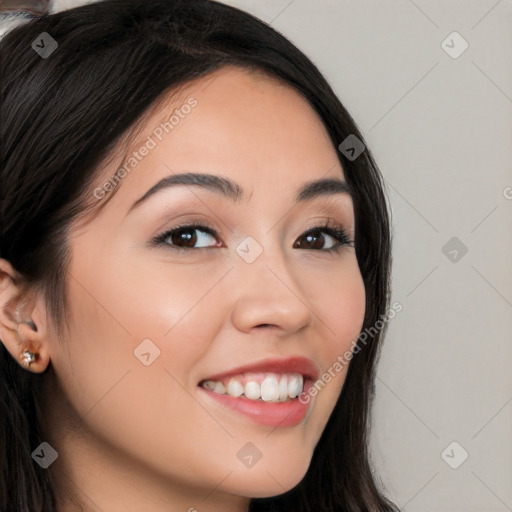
(23, 320)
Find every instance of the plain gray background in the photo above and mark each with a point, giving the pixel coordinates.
(440, 127)
(439, 122)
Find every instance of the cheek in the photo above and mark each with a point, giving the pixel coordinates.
(129, 315)
(120, 399)
(339, 303)
(134, 300)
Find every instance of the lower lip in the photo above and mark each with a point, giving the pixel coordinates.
(273, 414)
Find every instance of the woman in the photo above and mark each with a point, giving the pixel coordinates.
(192, 237)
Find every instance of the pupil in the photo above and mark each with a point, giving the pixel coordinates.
(188, 237)
(317, 241)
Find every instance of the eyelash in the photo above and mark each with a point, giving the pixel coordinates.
(335, 231)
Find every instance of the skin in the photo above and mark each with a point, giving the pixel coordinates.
(145, 438)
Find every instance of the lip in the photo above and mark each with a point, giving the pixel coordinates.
(274, 414)
(298, 364)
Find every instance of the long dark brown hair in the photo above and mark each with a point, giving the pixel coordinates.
(61, 116)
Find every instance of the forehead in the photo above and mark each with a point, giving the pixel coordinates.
(258, 131)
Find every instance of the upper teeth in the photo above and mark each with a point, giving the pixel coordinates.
(273, 387)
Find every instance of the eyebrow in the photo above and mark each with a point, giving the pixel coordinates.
(232, 190)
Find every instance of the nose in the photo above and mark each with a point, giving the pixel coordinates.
(268, 294)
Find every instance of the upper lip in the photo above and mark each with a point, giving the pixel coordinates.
(301, 365)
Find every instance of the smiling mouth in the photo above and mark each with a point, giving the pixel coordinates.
(262, 387)
(262, 398)
(273, 391)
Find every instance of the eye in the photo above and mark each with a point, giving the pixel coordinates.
(186, 237)
(327, 238)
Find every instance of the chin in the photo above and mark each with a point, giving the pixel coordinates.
(265, 483)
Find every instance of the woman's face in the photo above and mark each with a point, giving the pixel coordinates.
(150, 324)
